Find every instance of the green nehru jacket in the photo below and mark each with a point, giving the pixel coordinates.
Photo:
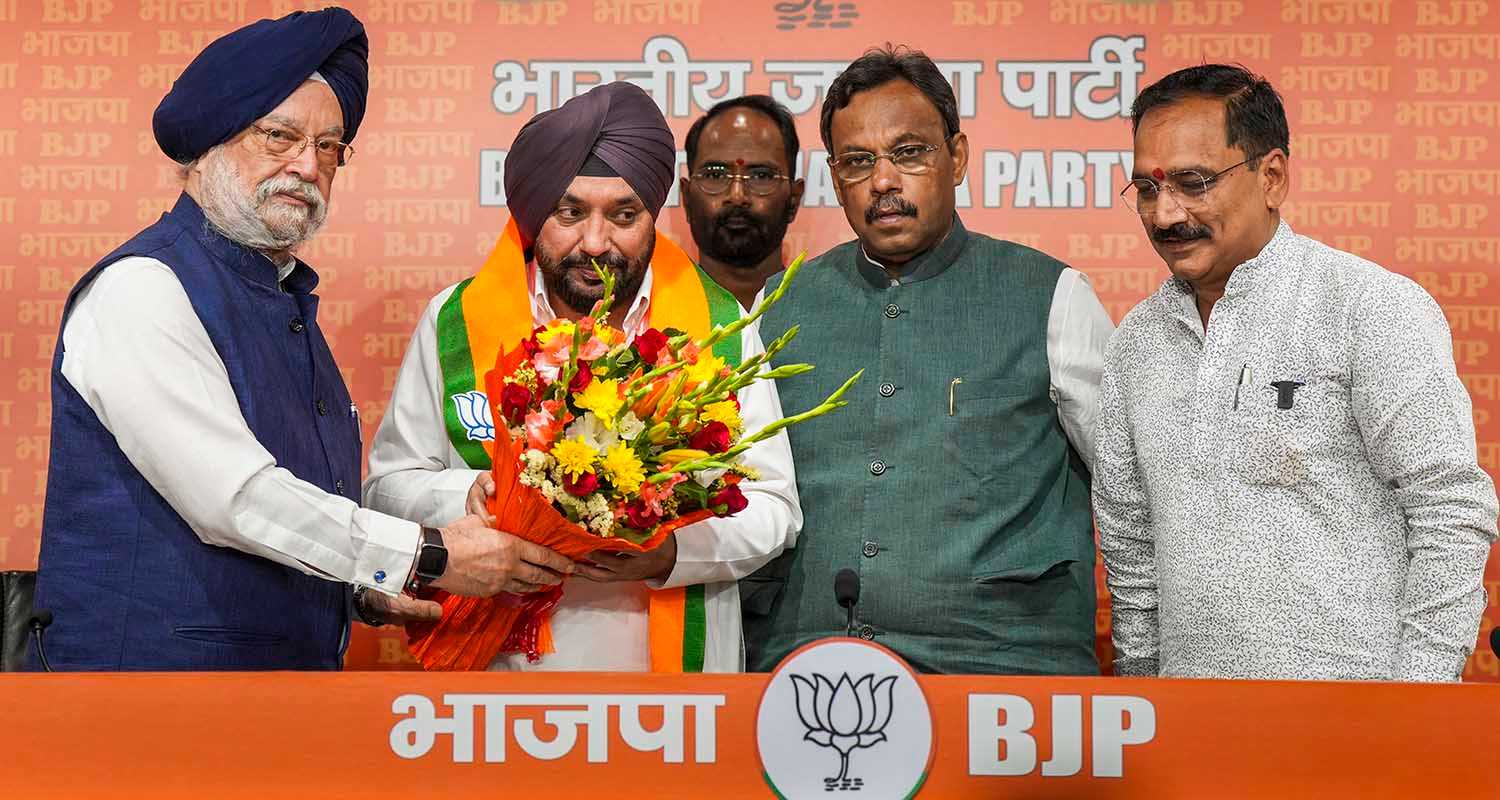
(971, 530)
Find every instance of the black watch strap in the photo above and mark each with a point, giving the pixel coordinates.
(432, 560)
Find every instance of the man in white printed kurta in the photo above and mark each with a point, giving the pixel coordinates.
(1285, 481)
(601, 205)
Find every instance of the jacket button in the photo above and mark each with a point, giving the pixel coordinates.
(338, 486)
(870, 549)
(866, 632)
(892, 311)
(887, 389)
(877, 467)
(322, 408)
(297, 325)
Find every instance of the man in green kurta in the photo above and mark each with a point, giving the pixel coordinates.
(956, 483)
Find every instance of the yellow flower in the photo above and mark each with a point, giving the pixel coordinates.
(705, 369)
(725, 412)
(575, 456)
(622, 467)
(603, 398)
(557, 328)
(680, 455)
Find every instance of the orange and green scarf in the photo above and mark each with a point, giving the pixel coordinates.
(493, 310)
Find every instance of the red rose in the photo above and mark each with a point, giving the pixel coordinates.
(640, 516)
(584, 486)
(731, 498)
(530, 344)
(649, 344)
(711, 438)
(581, 379)
(515, 399)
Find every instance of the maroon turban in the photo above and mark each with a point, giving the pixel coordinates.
(613, 130)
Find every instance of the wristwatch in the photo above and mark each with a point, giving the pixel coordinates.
(432, 560)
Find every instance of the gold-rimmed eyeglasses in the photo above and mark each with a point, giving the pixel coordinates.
(911, 159)
(758, 181)
(288, 144)
(1189, 187)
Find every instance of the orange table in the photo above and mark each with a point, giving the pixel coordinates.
(364, 735)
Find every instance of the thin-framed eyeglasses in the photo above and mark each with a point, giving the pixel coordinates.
(758, 181)
(911, 159)
(1189, 187)
(288, 145)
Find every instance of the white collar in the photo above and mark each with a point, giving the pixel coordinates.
(542, 312)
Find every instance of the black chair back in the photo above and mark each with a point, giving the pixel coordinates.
(16, 592)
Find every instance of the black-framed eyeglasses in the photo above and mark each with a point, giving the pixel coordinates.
(758, 181)
(289, 144)
(911, 159)
(1190, 187)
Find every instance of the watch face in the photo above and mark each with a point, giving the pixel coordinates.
(432, 560)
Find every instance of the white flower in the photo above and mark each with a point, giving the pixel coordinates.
(707, 477)
(630, 426)
(592, 431)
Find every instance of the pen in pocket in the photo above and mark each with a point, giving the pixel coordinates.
(1245, 379)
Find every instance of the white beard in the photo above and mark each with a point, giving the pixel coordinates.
(258, 222)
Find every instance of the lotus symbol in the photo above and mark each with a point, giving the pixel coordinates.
(846, 715)
(474, 414)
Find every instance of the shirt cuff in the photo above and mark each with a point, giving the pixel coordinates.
(1137, 668)
(694, 553)
(390, 549)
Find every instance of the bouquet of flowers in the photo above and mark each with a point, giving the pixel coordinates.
(604, 444)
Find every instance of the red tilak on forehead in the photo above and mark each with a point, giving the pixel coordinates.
(1158, 174)
(739, 162)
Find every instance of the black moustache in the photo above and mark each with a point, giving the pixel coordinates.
(737, 215)
(894, 205)
(1178, 233)
(613, 263)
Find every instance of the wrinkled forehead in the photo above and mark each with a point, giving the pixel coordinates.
(598, 192)
(1186, 135)
(742, 134)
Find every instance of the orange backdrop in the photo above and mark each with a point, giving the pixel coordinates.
(1392, 108)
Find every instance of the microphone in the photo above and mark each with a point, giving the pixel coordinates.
(846, 591)
(38, 623)
(1495, 639)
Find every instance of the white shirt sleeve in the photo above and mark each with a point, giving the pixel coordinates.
(1078, 328)
(410, 475)
(137, 353)
(729, 548)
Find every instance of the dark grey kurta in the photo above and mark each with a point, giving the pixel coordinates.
(971, 532)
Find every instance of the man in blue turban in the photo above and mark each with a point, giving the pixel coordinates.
(201, 507)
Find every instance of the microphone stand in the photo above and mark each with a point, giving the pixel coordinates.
(39, 622)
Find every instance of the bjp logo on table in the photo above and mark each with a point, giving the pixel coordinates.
(839, 698)
(844, 716)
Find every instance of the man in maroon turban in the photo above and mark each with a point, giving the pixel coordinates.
(585, 183)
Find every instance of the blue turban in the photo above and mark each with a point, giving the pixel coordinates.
(614, 129)
(244, 75)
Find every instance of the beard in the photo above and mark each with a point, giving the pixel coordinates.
(256, 220)
(569, 278)
(738, 237)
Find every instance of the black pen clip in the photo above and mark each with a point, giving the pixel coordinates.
(1286, 392)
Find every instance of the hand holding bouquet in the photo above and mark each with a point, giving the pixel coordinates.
(607, 445)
